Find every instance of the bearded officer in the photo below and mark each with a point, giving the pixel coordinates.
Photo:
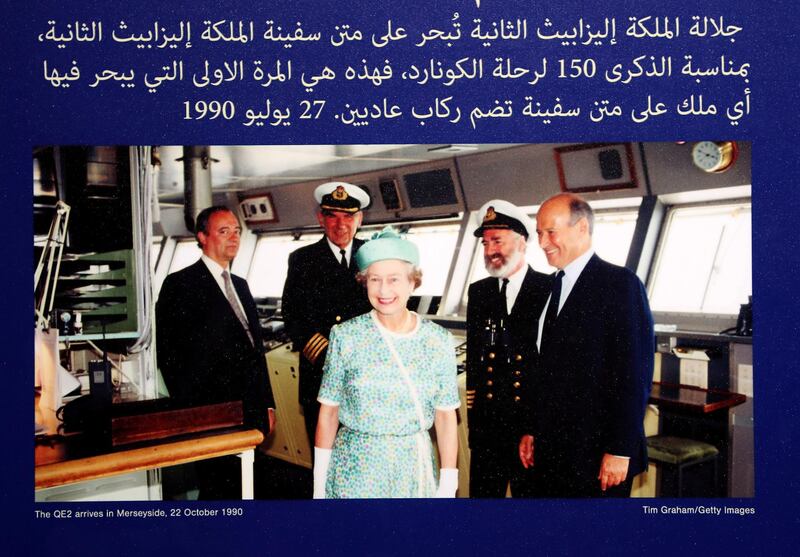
(502, 312)
(321, 289)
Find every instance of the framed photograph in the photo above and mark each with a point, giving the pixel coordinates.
(596, 167)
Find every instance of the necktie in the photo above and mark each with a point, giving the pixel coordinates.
(504, 299)
(344, 258)
(552, 310)
(231, 295)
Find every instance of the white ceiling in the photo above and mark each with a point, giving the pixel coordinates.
(243, 167)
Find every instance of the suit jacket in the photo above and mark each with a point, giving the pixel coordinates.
(203, 351)
(591, 391)
(497, 389)
(318, 294)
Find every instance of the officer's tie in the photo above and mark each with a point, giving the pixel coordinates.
(344, 258)
(504, 299)
(229, 293)
(552, 311)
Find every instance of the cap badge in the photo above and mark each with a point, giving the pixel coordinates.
(490, 214)
(339, 194)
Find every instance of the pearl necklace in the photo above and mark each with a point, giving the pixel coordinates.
(403, 328)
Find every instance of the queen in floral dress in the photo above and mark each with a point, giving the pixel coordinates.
(389, 376)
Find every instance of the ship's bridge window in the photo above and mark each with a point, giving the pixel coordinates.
(704, 263)
(436, 242)
(155, 252)
(271, 262)
(186, 252)
(611, 240)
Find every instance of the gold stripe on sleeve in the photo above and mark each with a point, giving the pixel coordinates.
(312, 343)
(318, 350)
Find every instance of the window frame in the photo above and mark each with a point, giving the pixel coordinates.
(295, 235)
(365, 231)
(179, 240)
(477, 255)
(691, 320)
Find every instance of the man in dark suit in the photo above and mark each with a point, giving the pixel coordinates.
(502, 311)
(209, 342)
(321, 289)
(596, 343)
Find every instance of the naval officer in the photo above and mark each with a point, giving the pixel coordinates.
(502, 312)
(321, 288)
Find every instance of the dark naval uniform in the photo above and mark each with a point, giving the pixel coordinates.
(319, 293)
(501, 359)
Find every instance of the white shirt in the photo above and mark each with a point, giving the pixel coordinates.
(348, 251)
(216, 272)
(571, 274)
(514, 286)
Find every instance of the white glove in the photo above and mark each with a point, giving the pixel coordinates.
(322, 459)
(448, 483)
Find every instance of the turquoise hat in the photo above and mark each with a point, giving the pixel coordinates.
(386, 244)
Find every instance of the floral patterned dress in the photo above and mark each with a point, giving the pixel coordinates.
(386, 409)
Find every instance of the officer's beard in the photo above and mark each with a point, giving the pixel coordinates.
(508, 265)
